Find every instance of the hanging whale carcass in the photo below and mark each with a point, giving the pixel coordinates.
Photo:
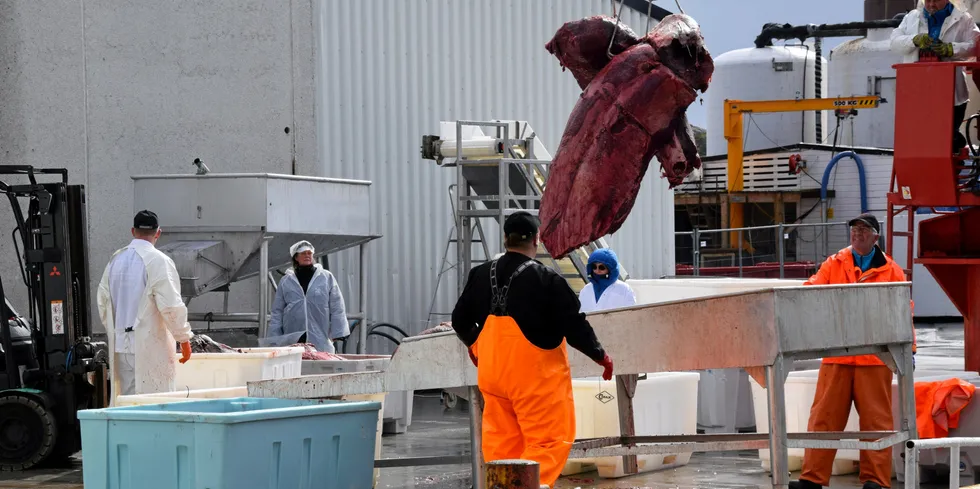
(632, 109)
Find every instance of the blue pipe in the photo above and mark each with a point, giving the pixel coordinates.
(860, 165)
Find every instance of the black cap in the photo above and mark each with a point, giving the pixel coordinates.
(145, 220)
(867, 218)
(522, 223)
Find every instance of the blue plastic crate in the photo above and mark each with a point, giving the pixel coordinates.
(233, 443)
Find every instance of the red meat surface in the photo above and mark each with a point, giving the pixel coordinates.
(631, 110)
(311, 353)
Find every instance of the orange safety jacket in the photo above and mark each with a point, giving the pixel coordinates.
(840, 269)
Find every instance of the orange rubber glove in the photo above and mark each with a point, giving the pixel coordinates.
(185, 351)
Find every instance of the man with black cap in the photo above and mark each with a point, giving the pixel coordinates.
(143, 313)
(863, 379)
(516, 317)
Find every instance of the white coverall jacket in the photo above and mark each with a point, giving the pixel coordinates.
(161, 323)
(959, 29)
(618, 294)
(319, 312)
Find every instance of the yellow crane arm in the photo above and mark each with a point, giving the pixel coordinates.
(734, 129)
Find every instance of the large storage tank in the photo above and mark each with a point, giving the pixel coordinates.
(861, 67)
(770, 73)
(886, 9)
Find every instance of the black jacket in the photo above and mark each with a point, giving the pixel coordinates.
(540, 302)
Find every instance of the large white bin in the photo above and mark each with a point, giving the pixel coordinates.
(213, 370)
(242, 391)
(801, 388)
(664, 404)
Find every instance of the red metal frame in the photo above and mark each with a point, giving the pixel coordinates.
(925, 173)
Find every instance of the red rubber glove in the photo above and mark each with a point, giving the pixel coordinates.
(185, 351)
(472, 356)
(607, 364)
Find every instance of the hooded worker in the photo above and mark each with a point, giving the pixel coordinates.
(605, 290)
(863, 379)
(143, 314)
(517, 317)
(308, 307)
(940, 29)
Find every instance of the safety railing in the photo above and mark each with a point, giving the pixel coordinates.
(792, 250)
(954, 444)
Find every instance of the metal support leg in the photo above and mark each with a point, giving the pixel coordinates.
(912, 467)
(362, 333)
(906, 394)
(778, 439)
(476, 438)
(625, 388)
(264, 287)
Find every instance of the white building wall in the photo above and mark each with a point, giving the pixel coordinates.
(422, 62)
(110, 89)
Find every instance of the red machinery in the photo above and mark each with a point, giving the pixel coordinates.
(925, 174)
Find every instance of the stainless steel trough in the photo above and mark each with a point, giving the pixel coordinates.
(760, 330)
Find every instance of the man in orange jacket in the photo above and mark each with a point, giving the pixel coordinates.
(863, 379)
(517, 317)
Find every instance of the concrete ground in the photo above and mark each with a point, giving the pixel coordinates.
(436, 431)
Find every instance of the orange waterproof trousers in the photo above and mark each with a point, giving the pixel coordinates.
(870, 387)
(529, 410)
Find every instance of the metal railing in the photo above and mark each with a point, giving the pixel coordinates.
(764, 252)
(912, 448)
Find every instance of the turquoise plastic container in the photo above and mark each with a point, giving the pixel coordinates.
(232, 443)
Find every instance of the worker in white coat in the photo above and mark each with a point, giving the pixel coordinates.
(143, 314)
(937, 28)
(605, 290)
(308, 307)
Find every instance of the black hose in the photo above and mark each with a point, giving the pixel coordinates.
(392, 326)
(385, 335)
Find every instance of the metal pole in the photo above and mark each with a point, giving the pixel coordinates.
(954, 466)
(476, 438)
(740, 253)
(463, 238)
(912, 465)
(264, 287)
(697, 252)
(362, 334)
(778, 437)
(782, 252)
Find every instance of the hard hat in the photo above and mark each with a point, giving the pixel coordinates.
(301, 246)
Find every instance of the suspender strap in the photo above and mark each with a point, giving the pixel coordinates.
(498, 297)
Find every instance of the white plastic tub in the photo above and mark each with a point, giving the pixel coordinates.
(801, 388)
(233, 392)
(664, 404)
(213, 370)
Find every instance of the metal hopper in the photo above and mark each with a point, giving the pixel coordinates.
(220, 228)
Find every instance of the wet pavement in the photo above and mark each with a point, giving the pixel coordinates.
(436, 431)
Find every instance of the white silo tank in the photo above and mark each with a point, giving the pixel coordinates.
(770, 73)
(859, 67)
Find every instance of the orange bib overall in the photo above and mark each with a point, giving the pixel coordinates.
(529, 409)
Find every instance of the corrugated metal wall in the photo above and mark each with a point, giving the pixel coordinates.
(390, 71)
